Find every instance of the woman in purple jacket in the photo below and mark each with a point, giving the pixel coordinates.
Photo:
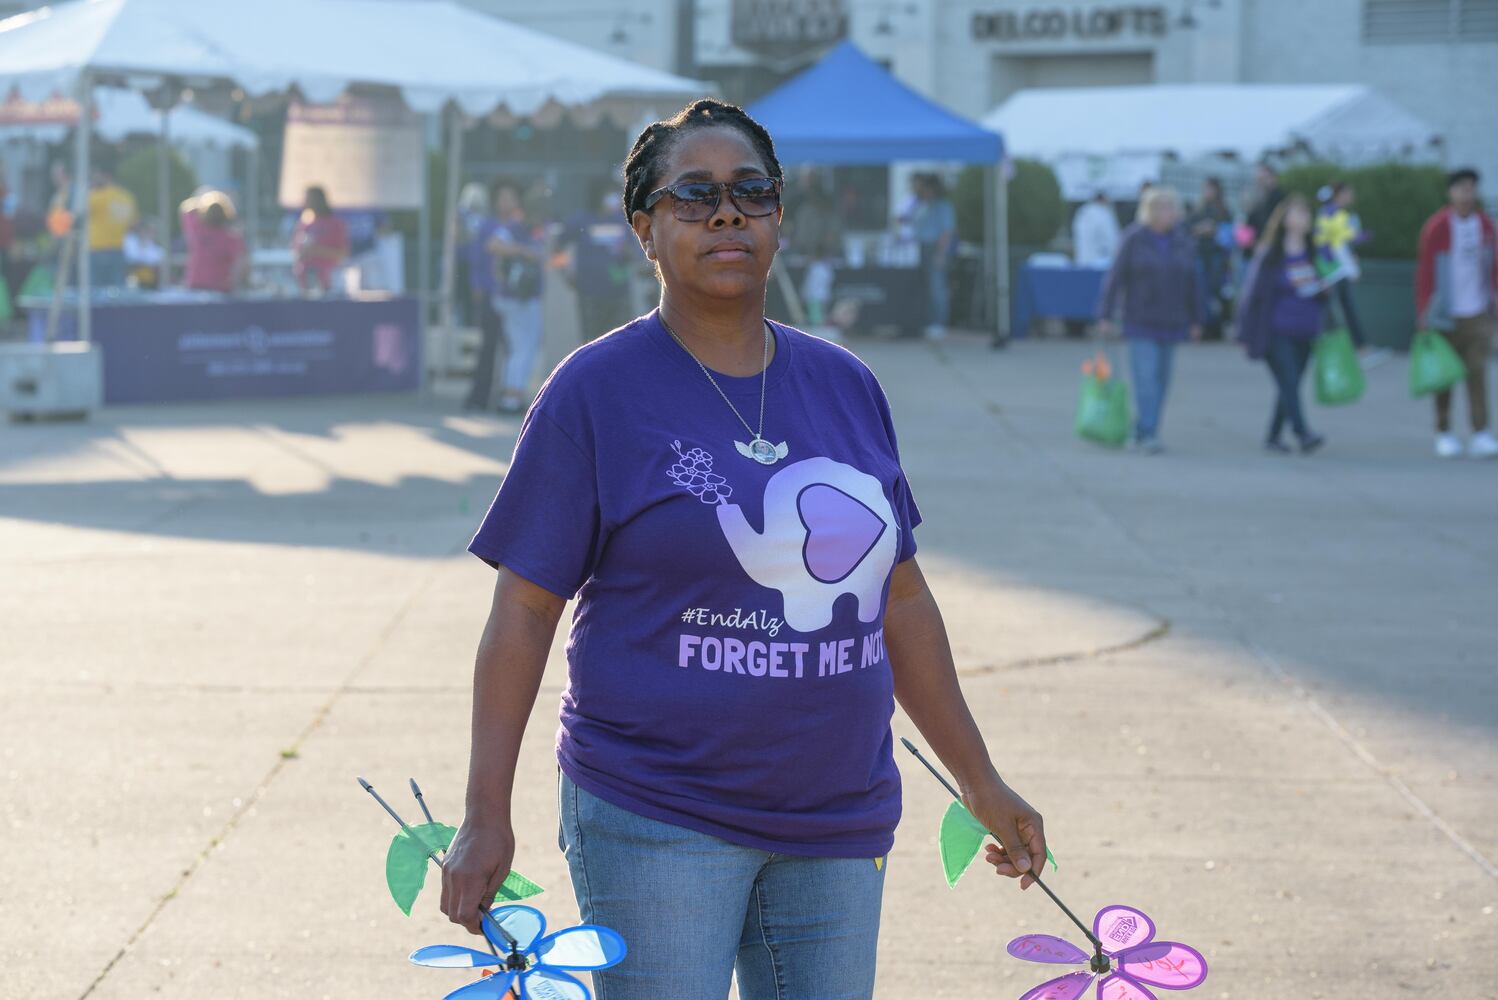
(1153, 282)
(1280, 315)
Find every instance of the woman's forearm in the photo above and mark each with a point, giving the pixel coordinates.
(926, 686)
(507, 675)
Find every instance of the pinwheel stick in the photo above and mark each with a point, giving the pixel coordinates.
(416, 791)
(432, 856)
(1098, 945)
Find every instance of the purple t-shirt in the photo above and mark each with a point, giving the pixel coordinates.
(726, 662)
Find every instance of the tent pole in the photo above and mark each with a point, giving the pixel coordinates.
(990, 267)
(252, 197)
(1001, 331)
(163, 197)
(450, 229)
(82, 137)
(423, 254)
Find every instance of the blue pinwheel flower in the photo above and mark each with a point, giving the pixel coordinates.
(535, 966)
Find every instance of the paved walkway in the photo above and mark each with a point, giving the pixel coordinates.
(1256, 696)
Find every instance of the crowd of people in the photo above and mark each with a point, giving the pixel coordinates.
(126, 249)
(1278, 280)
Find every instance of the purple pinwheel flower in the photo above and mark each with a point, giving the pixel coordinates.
(1138, 961)
(536, 967)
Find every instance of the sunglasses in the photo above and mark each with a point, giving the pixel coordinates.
(696, 201)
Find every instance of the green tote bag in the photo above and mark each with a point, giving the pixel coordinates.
(1339, 377)
(1434, 364)
(1103, 411)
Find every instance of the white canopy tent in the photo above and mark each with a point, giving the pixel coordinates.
(434, 54)
(1128, 131)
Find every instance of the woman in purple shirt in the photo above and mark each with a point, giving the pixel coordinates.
(724, 496)
(1280, 315)
(1154, 285)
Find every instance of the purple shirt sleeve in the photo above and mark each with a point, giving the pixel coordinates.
(544, 524)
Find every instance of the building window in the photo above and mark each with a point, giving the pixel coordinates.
(1398, 22)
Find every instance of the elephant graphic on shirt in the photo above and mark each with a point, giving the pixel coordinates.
(828, 531)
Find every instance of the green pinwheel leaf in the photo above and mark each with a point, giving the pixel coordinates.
(406, 861)
(515, 888)
(406, 867)
(961, 839)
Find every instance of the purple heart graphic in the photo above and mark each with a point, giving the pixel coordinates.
(840, 531)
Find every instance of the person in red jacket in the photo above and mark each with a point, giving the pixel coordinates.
(1456, 280)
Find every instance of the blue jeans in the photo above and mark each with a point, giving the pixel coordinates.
(938, 294)
(1287, 358)
(522, 326)
(694, 909)
(1150, 364)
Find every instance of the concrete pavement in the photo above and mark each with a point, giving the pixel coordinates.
(1256, 696)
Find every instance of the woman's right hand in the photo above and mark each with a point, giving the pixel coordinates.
(475, 866)
(1106, 328)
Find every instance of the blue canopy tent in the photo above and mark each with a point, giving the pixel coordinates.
(847, 110)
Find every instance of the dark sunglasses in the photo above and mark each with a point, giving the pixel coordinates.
(696, 201)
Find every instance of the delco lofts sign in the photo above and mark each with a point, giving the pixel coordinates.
(1083, 23)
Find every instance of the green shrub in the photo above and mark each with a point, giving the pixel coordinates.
(1036, 210)
(1393, 199)
(137, 174)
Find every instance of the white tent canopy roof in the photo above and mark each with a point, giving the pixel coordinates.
(1345, 123)
(432, 52)
(125, 112)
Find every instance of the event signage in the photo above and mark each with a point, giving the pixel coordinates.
(1053, 23)
(787, 27)
(364, 151)
(245, 349)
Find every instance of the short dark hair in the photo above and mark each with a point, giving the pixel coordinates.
(643, 167)
(502, 182)
(1463, 174)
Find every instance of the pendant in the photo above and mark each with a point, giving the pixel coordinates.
(763, 451)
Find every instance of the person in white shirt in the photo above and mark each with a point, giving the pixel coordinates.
(1095, 233)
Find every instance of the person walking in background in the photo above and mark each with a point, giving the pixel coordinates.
(473, 216)
(1211, 224)
(1456, 279)
(1266, 197)
(1338, 232)
(320, 243)
(517, 254)
(1153, 285)
(1095, 232)
(479, 224)
(935, 226)
(1280, 314)
(601, 250)
(111, 214)
(216, 257)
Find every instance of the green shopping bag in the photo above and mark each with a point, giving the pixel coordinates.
(38, 283)
(1434, 364)
(1103, 411)
(1339, 377)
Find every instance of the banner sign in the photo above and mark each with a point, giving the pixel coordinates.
(364, 151)
(783, 28)
(245, 350)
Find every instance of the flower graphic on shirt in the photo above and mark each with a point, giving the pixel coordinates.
(693, 472)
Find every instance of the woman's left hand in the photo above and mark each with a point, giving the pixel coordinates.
(1196, 333)
(1014, 822)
